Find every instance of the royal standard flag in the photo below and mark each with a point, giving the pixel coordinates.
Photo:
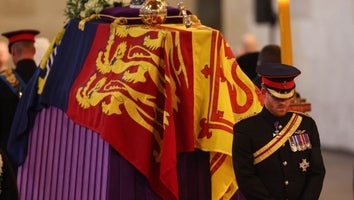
(151, 93)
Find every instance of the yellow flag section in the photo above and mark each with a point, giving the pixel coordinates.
(223, 94)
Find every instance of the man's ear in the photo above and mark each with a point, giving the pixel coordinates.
(263, 91)
(34, 49)
(13, 51)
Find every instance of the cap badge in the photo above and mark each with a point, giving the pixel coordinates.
(284, 84)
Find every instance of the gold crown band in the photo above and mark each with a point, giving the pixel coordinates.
(279, 95)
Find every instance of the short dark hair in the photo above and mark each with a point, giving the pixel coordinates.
(270, 54)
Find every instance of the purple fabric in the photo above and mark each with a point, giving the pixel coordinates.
(194, 175)
(67, 161)
(64, 161)
(126, 182)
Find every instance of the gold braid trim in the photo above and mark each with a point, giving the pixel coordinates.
(11, 78)
(87, 19)
(277, 142)
(117, 20)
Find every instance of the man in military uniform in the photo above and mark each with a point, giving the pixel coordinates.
(276, 153)
(12, 84)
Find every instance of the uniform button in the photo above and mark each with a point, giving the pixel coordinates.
(286, 182)
(285, 163)
(283, 145)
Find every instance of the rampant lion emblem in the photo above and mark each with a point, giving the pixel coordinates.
(129, 77)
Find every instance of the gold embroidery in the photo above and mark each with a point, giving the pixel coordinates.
(11, 78)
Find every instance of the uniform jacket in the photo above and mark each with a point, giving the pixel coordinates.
(9, 100)
(283, 175)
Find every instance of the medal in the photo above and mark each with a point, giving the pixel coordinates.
(292, 144)
(277, 129)
(300, 141)
(304, 165)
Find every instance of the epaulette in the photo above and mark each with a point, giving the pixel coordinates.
(302, 113)
(247, 116)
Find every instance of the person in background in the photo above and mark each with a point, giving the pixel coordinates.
(247, 55)
(249, 44)
(22, 50)
(270, 53)
(5, 57)
(277, 153)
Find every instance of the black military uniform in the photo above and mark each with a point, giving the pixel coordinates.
(11, 92)
(278, 157)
